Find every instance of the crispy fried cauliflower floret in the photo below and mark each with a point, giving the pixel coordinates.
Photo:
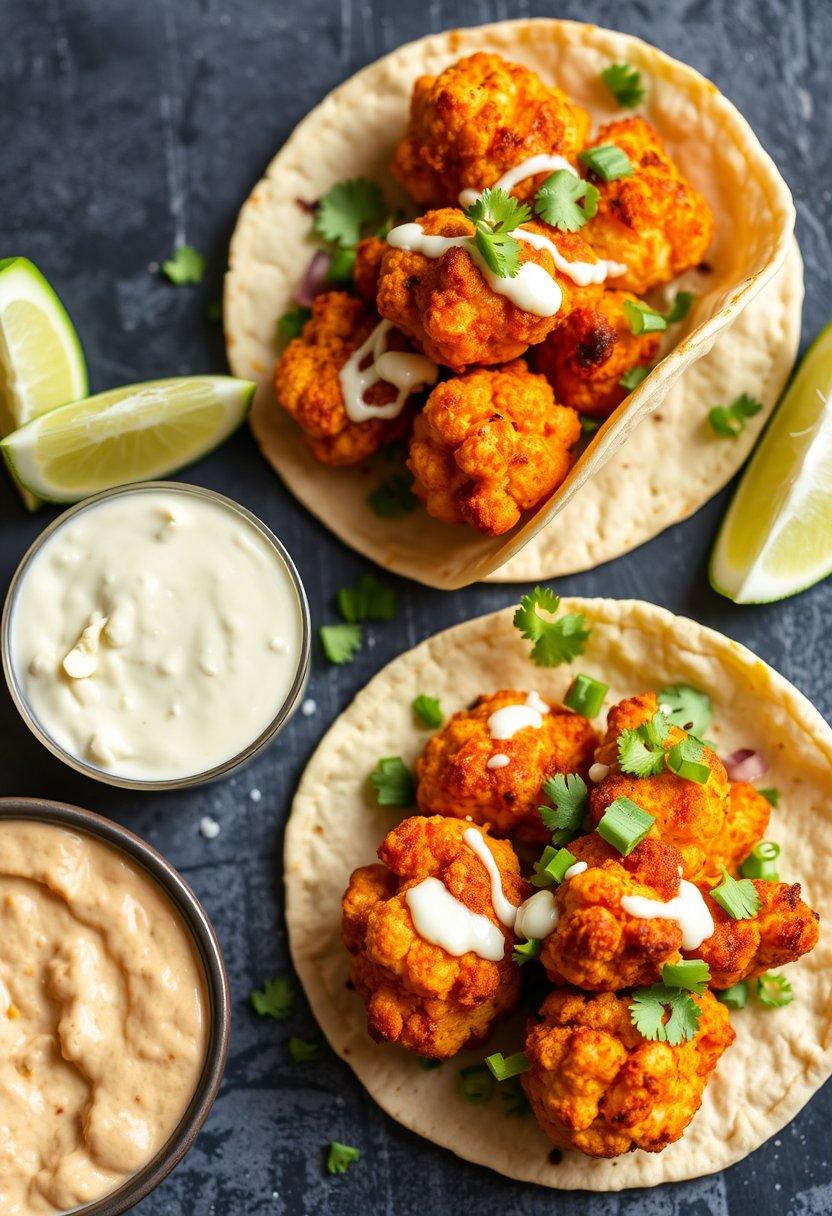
(454, 778)
(687, 815)
(783, 929)
(596, 1085)
(654, 221)
(596, 944)
(482, 116)
(746, 819)
(368, 257)
(418, 995)
(490, 445)
(585, 358)
(307, 385)
(446, 306)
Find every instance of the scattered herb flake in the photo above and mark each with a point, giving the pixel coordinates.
(340, 1157)
(340, 643)
(393, 498)
(557, 641)
(624, 82)
(428, 711)
(302, 1050)
(772, 796)
(369, 600)
(526, 952)
(275, 1000)
(558, 201)
(291, 324)
(476, 1084)
(347, 210)
(633, 378)
(729, 421)
(185, 265)
(393, 783)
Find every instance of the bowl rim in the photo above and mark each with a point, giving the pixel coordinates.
(284, 712)
(204, 936)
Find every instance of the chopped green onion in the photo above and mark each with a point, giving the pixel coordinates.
(643, 319)
(683, 760)
(771, 796)
(502, 1067)
(526, 952)
(552, 866)
(739, 898)
(301, 1050)
(735, 997)
(608, 162)
(633, 378)
(774, 991)
(586, 696)
(588, 424)
(680, 307)
(624, 825)
(692, 974)
(761, 862)
(476, 1084)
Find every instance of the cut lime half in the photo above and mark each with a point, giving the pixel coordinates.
(134, 433)
(776, 538)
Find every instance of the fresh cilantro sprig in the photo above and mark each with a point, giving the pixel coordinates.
(495, 215)
(369, 600)
(185, 265)
(686, 707)
(558, 201)
(624, 82)
(526, 952)
(348, 211)
(729, 421)
(392, 781)
(738, 897)
(275, 1000)
(651, 1006)
(641, 749)
(555, 641)
(340, 643)
(571, 802)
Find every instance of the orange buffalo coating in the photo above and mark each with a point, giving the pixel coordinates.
(585, 358)
(746, 819)
(453, 777)
(653, 221)
(490, 445)
(596, 1085)
(445, 305)
(307, 385)
(418, 995)
(482, 116)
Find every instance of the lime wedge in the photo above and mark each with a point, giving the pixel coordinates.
(776, 538)
(134, 433)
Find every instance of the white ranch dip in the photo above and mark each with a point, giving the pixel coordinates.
(155, 634)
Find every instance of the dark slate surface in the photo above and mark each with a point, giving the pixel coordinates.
(126, 128)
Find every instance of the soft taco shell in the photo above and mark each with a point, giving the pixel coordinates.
(353, 133)
(778, 1059)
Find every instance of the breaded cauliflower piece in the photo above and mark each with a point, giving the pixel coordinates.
(489, 445)
(687, 815)
(596, 1085)
(418, 995)
(654, 221)
(446, 306)
(369, 254)
(746, 819)
(783, 929)
(454, 778)
(482, 116)
(585, 358)
(307, 386)
(596, 944)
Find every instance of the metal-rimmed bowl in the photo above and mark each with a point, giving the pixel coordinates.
(62, 815)
(284, 712)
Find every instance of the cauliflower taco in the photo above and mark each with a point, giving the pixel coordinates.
(549, 869)
(541, 227)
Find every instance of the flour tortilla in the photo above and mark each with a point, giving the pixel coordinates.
(778, 1059)
(354, 131)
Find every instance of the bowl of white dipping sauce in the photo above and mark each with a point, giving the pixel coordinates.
(156, 636)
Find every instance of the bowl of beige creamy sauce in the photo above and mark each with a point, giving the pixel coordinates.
(114, 1013)
(156, 636)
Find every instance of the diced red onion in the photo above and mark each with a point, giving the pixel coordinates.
(745, 765)
(314, 281)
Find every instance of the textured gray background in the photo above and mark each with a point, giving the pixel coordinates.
(127, 127)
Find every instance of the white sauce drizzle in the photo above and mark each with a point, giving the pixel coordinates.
(597, 772)
(688, 909)
(519, 173)
(403, 370)
(573, 871)
(537, 916)
(535, 701)
(498, 761)
(505, 722)
(443, 920)
(504, 909)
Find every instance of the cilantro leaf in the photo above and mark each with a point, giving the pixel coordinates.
(641, 750)
(428, 710)
(500, 252)
(557, 203)
(680, 307)
(624, 82)
(634, 376)
(291, 324)
(739, 898)
(525, 952)
(341, 267)
(275, 1000)
(340, 643)
(370, 600)
(340, 1157)
(393, 498)
(347, 209)
(498, 211)
(301, 1050)
(729, 420)
(569, 795)
(185, 265)
(648, 1009)
(392, 782)
(772, 796)
(557, 641)
(686, 707)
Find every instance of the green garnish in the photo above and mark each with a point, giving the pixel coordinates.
(340, 643)
(648, 1008)
(735, 997)
(429, 1065)
(393, 783)
(633, 378)
(526, 952)
(738, 897)
(684, 759)
(393, 498)
(774, 991)
(340, 1157)
(761, 862)
(680, 307)
(771, 796)
(729, 420)
(495, 215)
(502, 1067)
(557, 201)
(370, 600)
(428, 710)
(275, 1000)
(589, 425)
(686, 707)
(607, 161)
(568, 793)
(347, 210)
(551, 868)
(643, 319)
(476, 1084)
(586, 696)
(691, 974)
(641, 749)
(185, 265)
(624, 82)
(302, 1050)
(624, 824)
(557, 641)
(291, 324)
(514, 1100)
(341, 267)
